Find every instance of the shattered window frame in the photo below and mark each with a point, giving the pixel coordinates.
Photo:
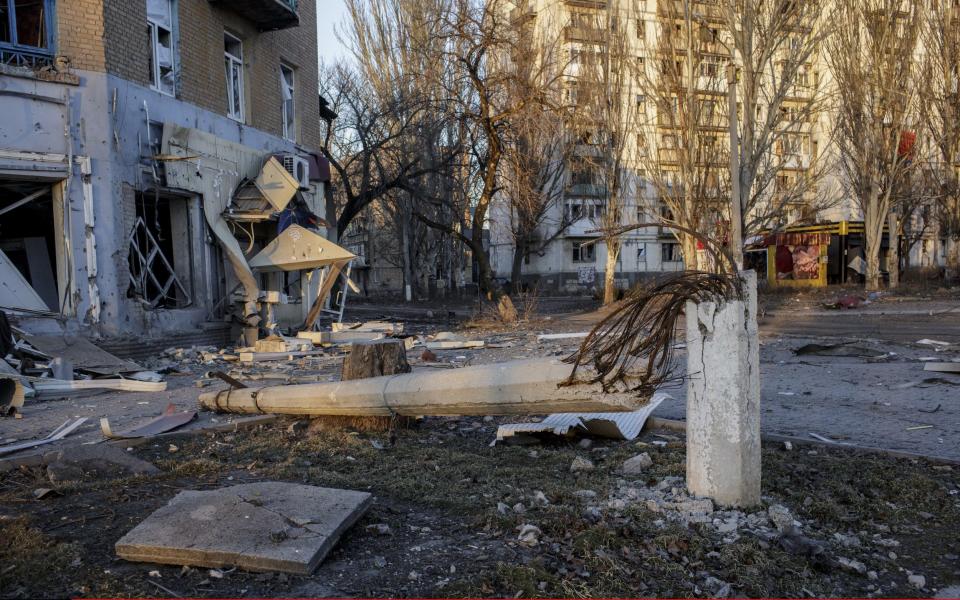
(288, 104)
(13, 51)
(233, 70)
(163, 77)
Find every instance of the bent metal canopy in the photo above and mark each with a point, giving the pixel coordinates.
(299, 249)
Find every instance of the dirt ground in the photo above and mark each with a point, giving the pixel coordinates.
(455, 506)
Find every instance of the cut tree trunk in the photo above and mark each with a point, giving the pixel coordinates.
(369, 359)
(373, 359)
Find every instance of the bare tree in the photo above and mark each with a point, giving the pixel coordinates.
(873, 57)
(941, 115)
(604, 96)
(775, 48)
(534, 178)
(682, 139)
(487, 90)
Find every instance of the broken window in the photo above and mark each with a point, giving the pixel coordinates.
(584, 252)
(288, 106)
(160, 16)
(28, 251)
(160, 252)
(669, 252)
(233, 63)
(26, 37)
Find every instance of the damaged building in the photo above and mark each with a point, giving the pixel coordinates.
(149, 149)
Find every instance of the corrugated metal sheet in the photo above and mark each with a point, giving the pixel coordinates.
(621, 426)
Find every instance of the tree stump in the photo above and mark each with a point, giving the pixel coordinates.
(369, 359)
(375, 358)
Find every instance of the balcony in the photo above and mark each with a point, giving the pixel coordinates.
(267, 15)
(584, 34)
(597, 4)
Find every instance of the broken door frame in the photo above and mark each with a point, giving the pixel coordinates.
(59, 183)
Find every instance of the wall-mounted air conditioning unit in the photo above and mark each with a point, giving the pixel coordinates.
(297, 166)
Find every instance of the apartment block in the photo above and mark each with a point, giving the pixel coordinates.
(575, 259)
(127, 127)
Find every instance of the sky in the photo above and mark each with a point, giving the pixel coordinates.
(329, 13)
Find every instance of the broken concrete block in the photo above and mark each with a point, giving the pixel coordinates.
(637, 465)
(581, 464)
(267, 526)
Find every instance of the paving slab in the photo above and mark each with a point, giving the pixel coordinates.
(266, 526)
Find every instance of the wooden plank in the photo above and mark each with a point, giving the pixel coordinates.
(45, 385)
(254, 357)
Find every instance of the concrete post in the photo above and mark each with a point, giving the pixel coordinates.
(723, 399)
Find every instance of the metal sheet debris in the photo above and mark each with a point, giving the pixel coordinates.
(57, 434)
(299, 249)
(618, 426)
(168, 421)
(83, 354)
(844, 349)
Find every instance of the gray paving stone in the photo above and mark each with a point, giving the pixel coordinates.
(268, 526)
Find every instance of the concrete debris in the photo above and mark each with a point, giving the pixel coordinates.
(637, 464)
(267, 526)
(917, 581)
(852, 565)
(781, 516)
(529, 535)
(581, 464)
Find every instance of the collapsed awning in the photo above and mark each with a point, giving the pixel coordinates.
(299, 249)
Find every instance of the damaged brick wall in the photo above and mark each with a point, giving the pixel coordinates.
(80, 33)
(110, 36)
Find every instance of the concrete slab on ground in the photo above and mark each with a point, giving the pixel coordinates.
(267, 526)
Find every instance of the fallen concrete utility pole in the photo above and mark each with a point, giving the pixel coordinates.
(520, 387)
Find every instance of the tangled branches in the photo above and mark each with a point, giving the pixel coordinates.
(642, 330)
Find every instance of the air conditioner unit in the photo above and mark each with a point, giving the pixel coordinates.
(297, 166)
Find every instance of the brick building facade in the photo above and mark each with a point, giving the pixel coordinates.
(96, 96)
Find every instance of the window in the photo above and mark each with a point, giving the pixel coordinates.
(669, 252)
(288, 108)
(584, 252)
(26, 32)
(233, 62)
(162, 54)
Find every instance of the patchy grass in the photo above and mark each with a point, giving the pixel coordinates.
(438, 489)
